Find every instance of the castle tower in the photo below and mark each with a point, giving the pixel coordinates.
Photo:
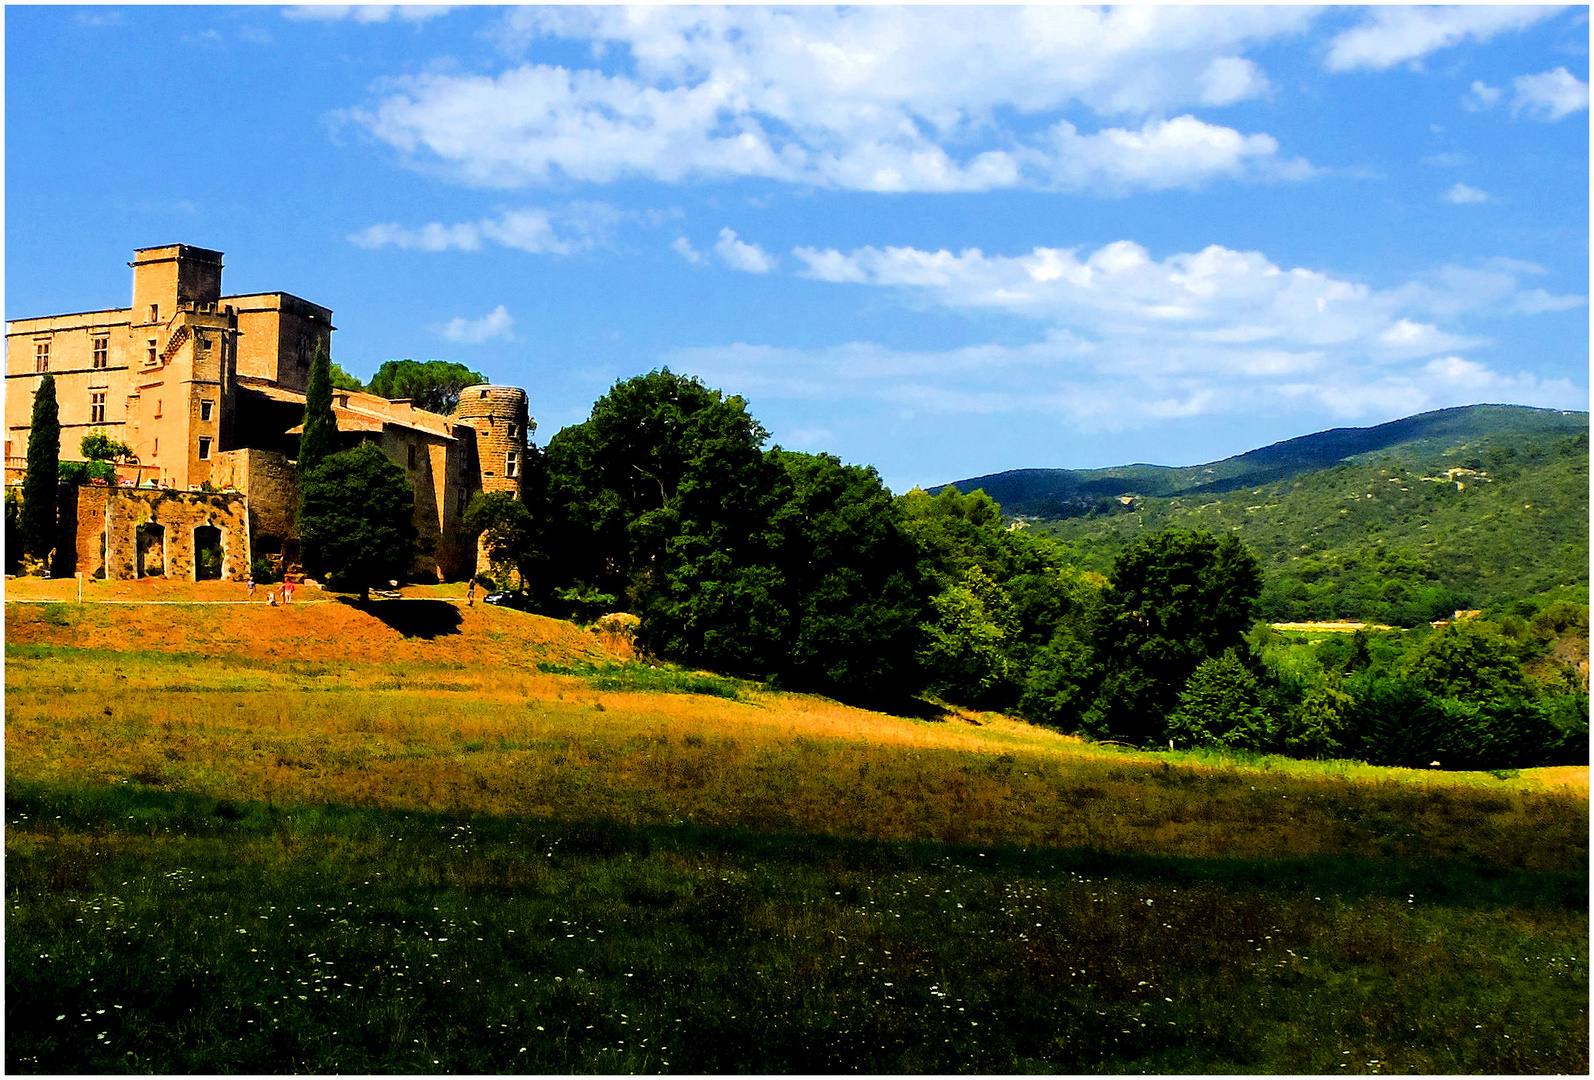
(503, 433)
(501, 420)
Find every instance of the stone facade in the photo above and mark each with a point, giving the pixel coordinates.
(208, 392)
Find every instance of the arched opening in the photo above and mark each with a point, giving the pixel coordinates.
(207, 553)
(151, 550)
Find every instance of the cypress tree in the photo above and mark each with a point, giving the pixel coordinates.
(319, 439)
(40, 483)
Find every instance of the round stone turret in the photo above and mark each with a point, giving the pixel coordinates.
(499, 415)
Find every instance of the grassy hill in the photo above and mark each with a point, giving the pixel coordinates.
(394, 838)
(1400, 523)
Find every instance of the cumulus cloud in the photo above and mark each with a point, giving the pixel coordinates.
(366, 13)
(1549, 96)
(1463, 195)
(1481, 96)
(743, 256)
(866, 98)
(562, 231)
(1393, 35)
(1125, 338)
(497, 323)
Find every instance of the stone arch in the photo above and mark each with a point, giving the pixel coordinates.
(150, 560)
(209, 551)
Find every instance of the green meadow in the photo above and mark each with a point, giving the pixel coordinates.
(266, 863)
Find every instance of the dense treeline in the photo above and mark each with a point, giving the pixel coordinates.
(796, 568)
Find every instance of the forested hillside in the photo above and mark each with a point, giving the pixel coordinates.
(1058, 493)
(1401, 535)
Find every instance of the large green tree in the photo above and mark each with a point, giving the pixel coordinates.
(41, 482)
(342, 380)
(767, 563)
(357, 520)
(1221, 705)
(319, 438)
(507, 530)
(1175, 599)
(851, 581)
(433, 385)
(1004, 598)
(666, 478)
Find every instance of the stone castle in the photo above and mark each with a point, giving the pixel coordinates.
(207, 391)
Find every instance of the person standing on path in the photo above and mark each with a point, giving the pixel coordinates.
(470, 593)
(287, 592)
(251, 586)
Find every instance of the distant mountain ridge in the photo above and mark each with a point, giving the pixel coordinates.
(1061, 493)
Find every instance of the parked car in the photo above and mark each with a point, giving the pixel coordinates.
(517, 600)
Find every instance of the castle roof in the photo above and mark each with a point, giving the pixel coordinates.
(355, 411)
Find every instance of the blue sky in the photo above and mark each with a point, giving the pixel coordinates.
(942, 241)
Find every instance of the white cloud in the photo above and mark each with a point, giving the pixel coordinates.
(684, 248)
(1549, 96)
(1394, 35)
(743, 256)
(1446, 160)
(366, 13)
(538, 230)
(865, 98)
(1481, 97)
(495, 324)
(1126, 339)
(1462, 195)
(430, 237)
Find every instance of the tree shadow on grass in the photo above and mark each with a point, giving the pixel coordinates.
(1458, 882)
(425, 619)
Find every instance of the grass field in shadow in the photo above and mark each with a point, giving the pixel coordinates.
(271, 864)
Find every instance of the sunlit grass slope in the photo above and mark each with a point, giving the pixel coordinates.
(345, 839)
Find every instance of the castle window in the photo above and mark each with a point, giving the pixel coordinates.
(511, 431)
(512, 464)
(153, 356)
(484, 395)
(41, 356)
(411, 449)
(205, 408)
(155, 448)
(204, 448)
(157, 408)
(102, 352)
(97, 408)
(154, 313)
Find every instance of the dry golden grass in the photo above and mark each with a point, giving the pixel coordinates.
(517, 742)
(424, 628)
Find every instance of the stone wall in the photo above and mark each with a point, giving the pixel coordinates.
(82, 510)
(268, 479)
(178, 514)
